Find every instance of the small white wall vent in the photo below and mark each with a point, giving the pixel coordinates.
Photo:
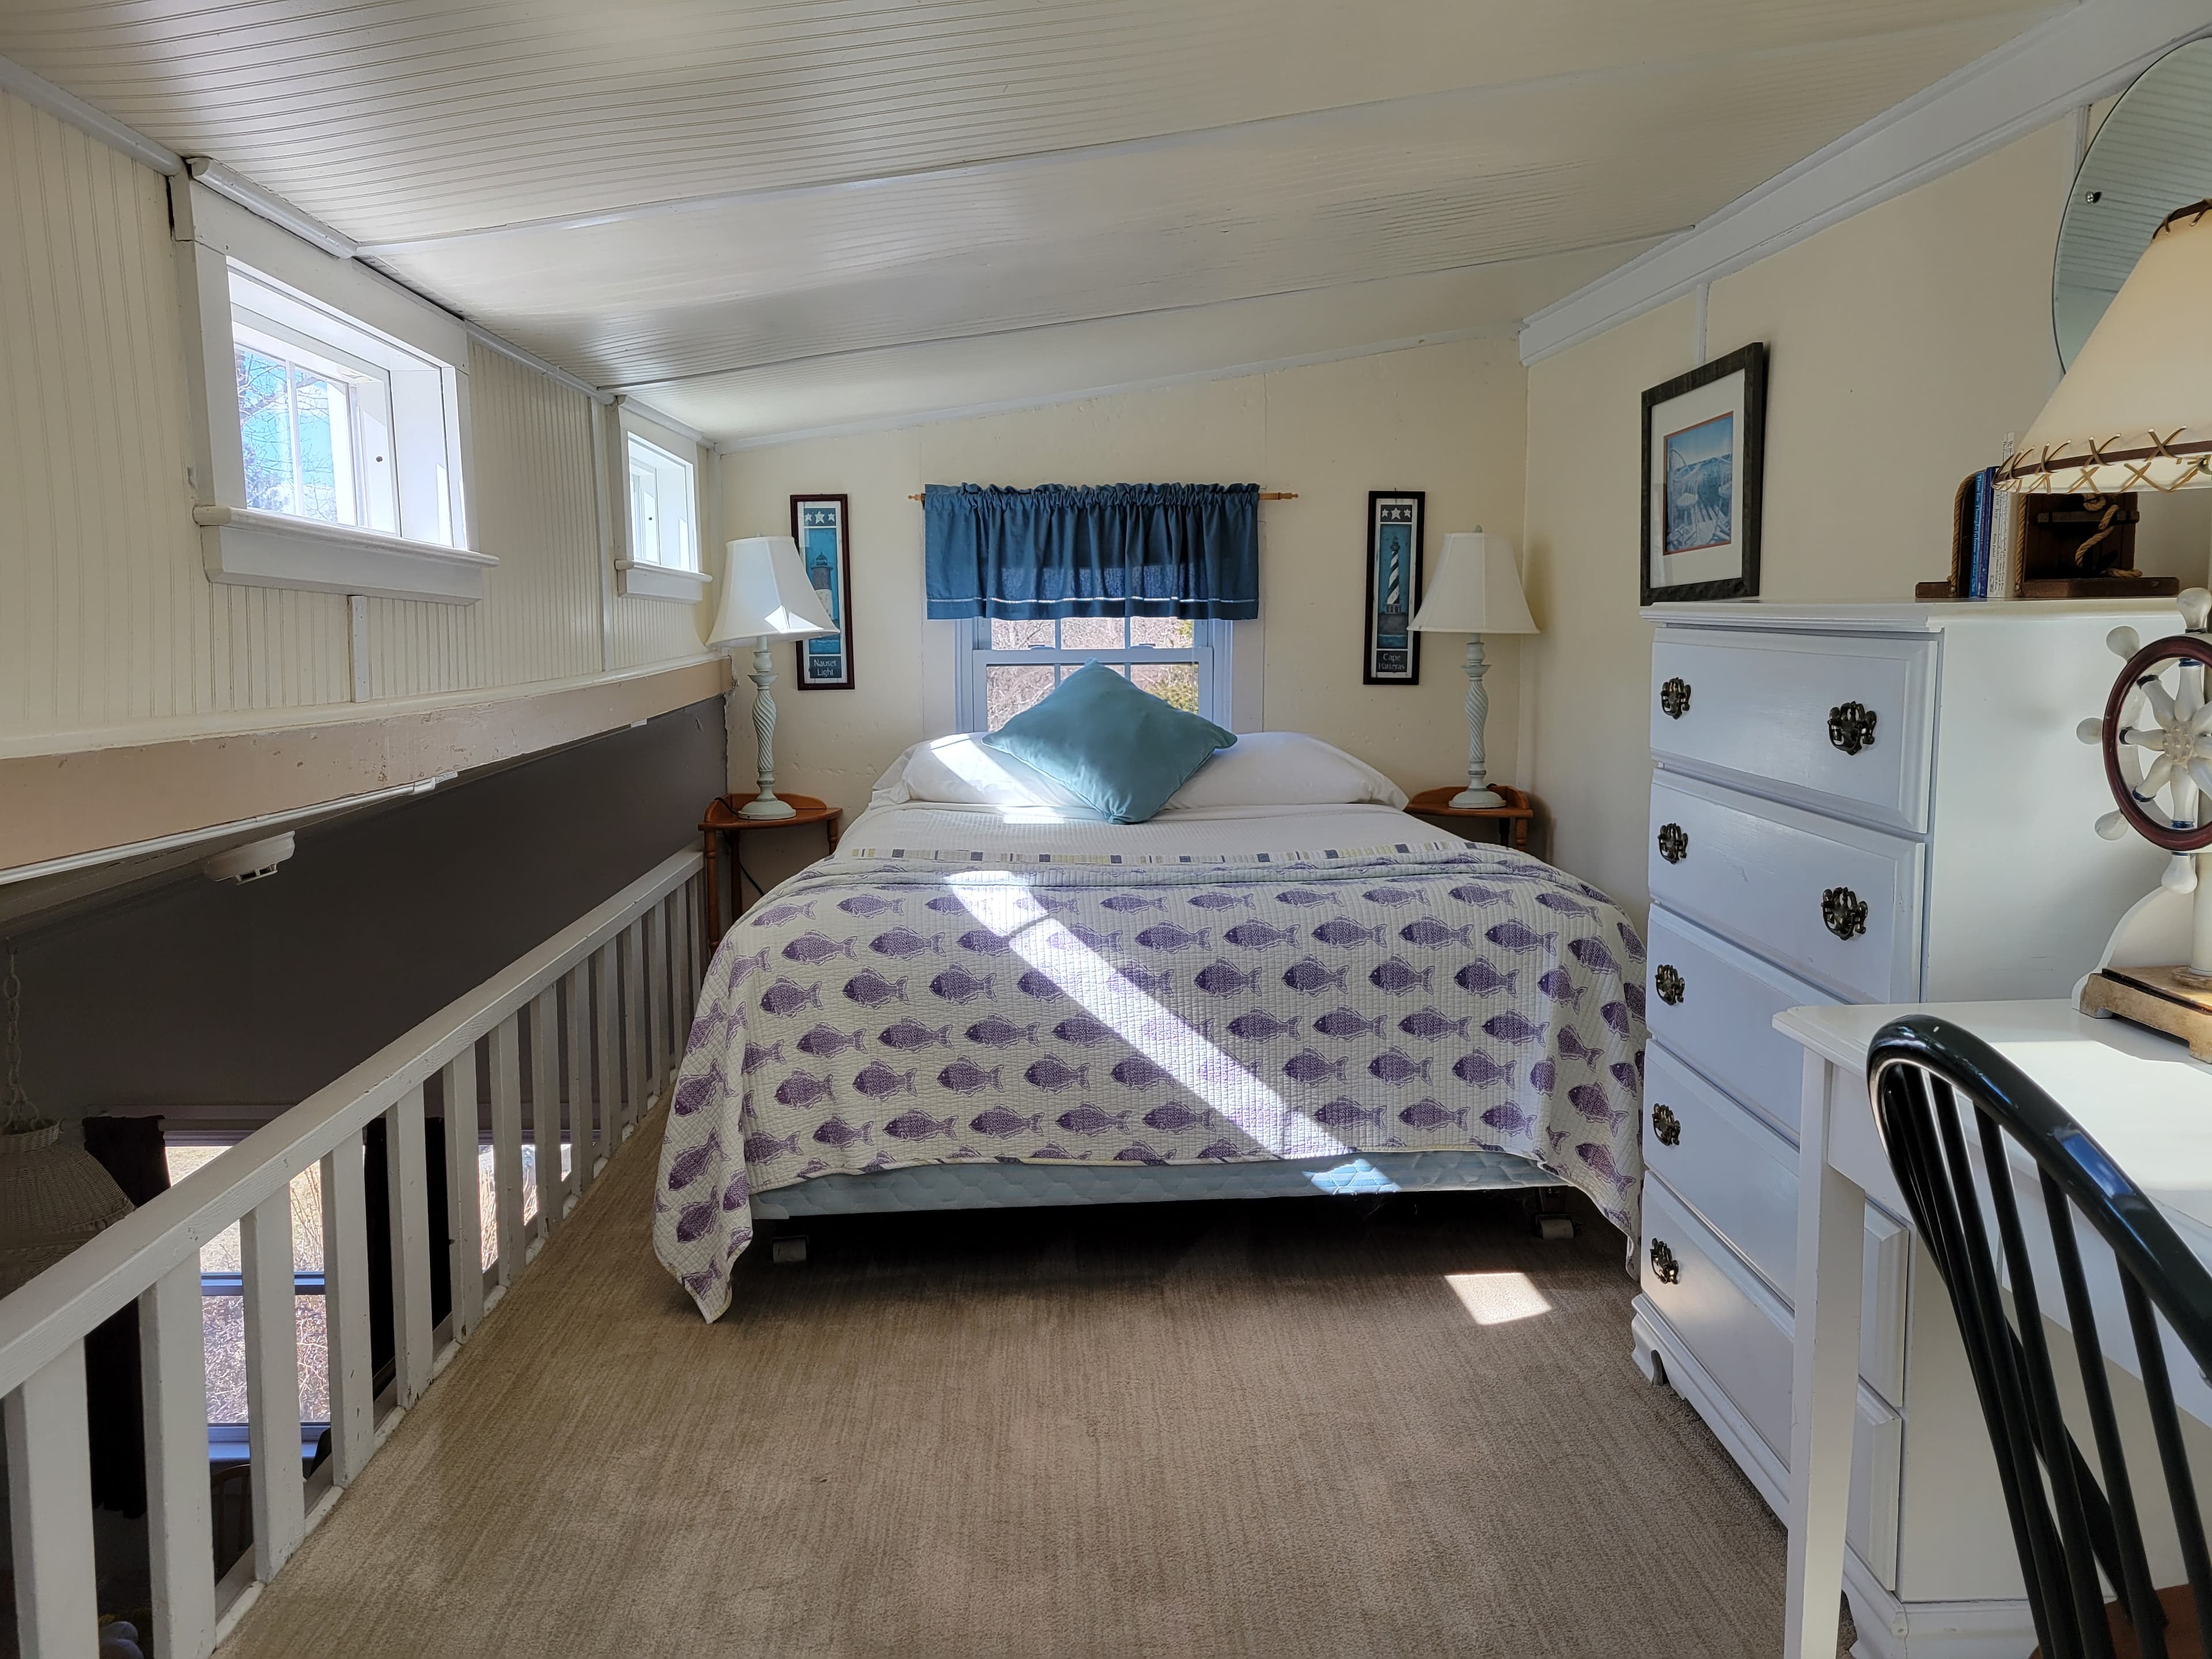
(250, 862)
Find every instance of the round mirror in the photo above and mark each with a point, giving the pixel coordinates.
(2152, 154)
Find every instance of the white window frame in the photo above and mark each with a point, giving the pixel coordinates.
(647, 577)
(1212, 648)
(349, 312)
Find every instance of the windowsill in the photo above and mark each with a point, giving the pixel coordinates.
(252, 549)
(639, 580)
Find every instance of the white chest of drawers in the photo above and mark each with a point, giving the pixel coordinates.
(1855, 804)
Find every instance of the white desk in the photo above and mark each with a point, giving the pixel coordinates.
(2138, 1094)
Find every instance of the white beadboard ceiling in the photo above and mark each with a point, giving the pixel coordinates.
(770, 217)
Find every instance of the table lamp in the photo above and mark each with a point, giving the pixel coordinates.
(765, 596)
(1476, 591)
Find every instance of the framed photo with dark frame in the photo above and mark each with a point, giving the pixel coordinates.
(822, 526)
(1705, 454)
(1395, 523)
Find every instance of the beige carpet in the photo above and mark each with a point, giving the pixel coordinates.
(1272, 1429)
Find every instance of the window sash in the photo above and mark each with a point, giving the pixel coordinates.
(659, 535)
(1208, 650)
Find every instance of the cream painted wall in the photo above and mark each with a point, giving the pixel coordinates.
(109, 630)
(1446, 418)
(1905, 345)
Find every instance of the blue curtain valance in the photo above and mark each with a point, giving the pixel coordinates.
(1114, 549)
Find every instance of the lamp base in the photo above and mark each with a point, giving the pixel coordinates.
(766, 805)
(1472, 799)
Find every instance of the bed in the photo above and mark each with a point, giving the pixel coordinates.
(1281, 984)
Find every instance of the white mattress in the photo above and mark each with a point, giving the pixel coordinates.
(919, 829)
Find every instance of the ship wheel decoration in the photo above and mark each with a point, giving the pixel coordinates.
(2156, 737)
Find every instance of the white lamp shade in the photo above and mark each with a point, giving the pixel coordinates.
(1476, 589)
(766, 595)
(2135, 412)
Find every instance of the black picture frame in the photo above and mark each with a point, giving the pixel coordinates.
(1397, 521)
(825, 664)
(1744, 481)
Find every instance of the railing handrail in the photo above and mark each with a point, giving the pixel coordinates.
(111, 1270)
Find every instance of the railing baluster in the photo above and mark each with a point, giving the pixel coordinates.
(410, 1190)
(687, 938)
(656, 1003)
(608, 1050)
(637, 1061)
(464, 1213)
(545, 1103)
(272, 1383)
(345, 1309)
(507, 1145)
(49, 1508)
(173, 1378)
(576, 1074)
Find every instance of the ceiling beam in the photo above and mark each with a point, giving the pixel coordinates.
(2088, 50)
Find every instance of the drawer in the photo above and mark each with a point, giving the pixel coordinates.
(1740, 1178)
(1721, 1018)
(1741, 1336)
(1782, 882)
(1758, 712)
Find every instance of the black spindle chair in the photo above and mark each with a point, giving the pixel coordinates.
(2070, 1521)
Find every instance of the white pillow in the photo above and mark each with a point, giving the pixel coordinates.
(960, 771)
(1284, 768)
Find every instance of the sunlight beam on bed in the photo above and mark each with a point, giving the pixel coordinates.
(1002, 902)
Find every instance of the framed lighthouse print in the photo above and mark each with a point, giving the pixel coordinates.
(1394, 586)
(820, 524)
(1704, 454)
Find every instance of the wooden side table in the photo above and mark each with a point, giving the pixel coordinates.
(1512, 819)
(722, 819)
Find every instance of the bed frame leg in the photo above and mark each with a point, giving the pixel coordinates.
(1550, 1217)
(790, 1248)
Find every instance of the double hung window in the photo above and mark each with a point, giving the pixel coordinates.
(1013, 665)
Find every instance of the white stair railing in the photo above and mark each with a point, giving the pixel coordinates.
(607, 1001)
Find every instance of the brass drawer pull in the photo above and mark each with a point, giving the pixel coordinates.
(1667, 980)
(1673, 843)
(1666, 1128)
(1674, 699)
(1851, 727)
(1664, 1267)
(1843, 912)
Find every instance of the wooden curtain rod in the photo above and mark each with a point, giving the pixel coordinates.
(1265, 495)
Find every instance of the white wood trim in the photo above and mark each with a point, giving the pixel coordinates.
(67, 107)
(545, 1104)
(50, 1477)
(345, 1309)
(407, 1184)
(272, 1383)
(173, 1362)
(637, 579)
(603, 986)
(491, 342)
(576, 1075)
(637, 1052)
(507, 1145)
(2083, 53)
(250, 549)
(464, 1216)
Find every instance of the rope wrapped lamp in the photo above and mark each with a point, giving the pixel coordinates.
(2134, 411)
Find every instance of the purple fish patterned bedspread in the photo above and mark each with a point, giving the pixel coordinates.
(871, 1014)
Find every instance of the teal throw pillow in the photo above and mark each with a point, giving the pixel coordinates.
(1122, 750)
